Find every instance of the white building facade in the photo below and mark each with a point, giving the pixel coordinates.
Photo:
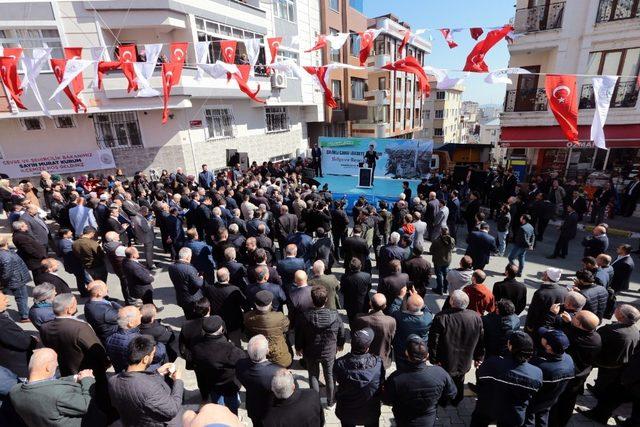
(442, 116)
(208, 117)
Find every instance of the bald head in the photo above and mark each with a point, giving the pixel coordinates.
(378, 302)
(129, 317)
(415, 303)
(43, 364)
(585, 320)
(318, 268)
(599, 230)
(97, 289)
(300, 278)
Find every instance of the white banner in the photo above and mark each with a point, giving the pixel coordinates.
(33, 67)
(603, 88)
(202, 53)
(252, 46)
(71, 71)
(502, 76)
(62, 163)
(97, 53)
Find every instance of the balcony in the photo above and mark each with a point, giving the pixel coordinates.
(529, 100)
(539, 18)
(624, 96)
(617, 10)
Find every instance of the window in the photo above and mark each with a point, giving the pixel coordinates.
(285, 9)
(382, 83)
(219, 122)
(440, 95)
(358, 88)
(277, 119)
(336, 89)
(114, 130)
(623, 62)
(32, 123)
(398, 114)
(427, 114)
(437, 132)
(354, 42)
(30, 38)
(334, 5)
(439, 114)
(416, 114)
(398, 84)
(64, 122)
(334, 54)
(613, 10)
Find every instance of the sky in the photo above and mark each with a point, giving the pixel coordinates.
(455, 14)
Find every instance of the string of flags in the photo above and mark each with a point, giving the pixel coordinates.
(68, 71)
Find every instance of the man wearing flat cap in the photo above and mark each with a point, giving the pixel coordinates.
(359, 375)
(214, 360)
(272, 324)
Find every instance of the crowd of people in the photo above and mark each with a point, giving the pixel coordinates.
(254, 259)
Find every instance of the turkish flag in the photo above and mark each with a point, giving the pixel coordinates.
(274, 46)
(366, 44)
(75, 53)
(103, 67)
(321, 42)
(58, 66)
(563, 102)
(10, 79)
(12, 52)
(243, 78)
(178, 56)
(320, 74)
(169, 72)
(127, 53)
(475, 60)
(446, 32)
(405, 41)
(413, 66)
(228, 51)
(476, 32)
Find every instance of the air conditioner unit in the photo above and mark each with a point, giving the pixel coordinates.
(278, 80)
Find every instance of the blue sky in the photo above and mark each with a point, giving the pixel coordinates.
(455, 14)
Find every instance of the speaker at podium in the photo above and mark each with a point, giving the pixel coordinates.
(365, 176)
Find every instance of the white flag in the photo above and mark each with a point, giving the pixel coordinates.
(144, 70)
(336, 41)
(97, 53)
(202, 53)
(219, 69)
(252, 46)
(152, 53)
(450, 82)
(33, 66)
(502, 76)
(603, 88)
(71, 71)
(289, 65)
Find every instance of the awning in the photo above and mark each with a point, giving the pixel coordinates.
(617, 136)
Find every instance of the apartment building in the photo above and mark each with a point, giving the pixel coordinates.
(594, 37)
(442, 116)
(208, 117)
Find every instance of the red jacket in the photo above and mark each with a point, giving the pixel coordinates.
(481, 299)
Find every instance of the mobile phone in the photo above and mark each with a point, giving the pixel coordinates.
(562, 309)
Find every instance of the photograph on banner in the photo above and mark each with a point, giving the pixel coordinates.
(61, 163)
(397, 158)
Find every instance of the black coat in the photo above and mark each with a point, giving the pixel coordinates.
(58, 282)
(595, 245)
(256, 379)
(480, 247)
(318, 334)
(619, 342)
(187, 283)
(301, 409)
(138, 278)
(103, 317)
(355, 288)
(538, 314)
(569, 227)
(512, 290)
(15, 346)
(356, 247)
(359, 378)
(227, 301)
(622, 270)
(496, 332)
(597, 297)
(29, 249)
(214, 360)
(392, 285)
(190, 332)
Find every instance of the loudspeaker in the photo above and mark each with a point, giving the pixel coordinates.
(232, 157)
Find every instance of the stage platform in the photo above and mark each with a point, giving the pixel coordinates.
(346, 187)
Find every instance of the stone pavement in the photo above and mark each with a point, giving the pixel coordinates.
(461, 415)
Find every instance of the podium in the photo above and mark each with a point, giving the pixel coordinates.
(365, 177)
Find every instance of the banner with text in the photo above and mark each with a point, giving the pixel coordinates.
(397, 158)
(62, 163)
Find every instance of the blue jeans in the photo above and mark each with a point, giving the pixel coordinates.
(518, 252)
(502, 241)
(22, 300)
(231, 401)
(441, 279)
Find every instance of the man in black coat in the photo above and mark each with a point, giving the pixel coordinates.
(214, 359)
(578, 203)
(511, 289)
(191, 330)
(356, 247)
(292, 406)
(48, 270)
(630, 197)
(138, 278)
(288, 266)
(355, 286)
(339, 225)
(549, 293)
(15, 344)
(113, 224)
(419, 270)
(101, 314)
(568, 231)
(391, 286)
(596, 244)
(255, 374)
(37, 227)
(29, 249)
(454, 214)
(472, 210)
(186, 281)
(287, 224)
(622, 269)
(228, 302)
(388, 253)
(480, 246)
(415, 389)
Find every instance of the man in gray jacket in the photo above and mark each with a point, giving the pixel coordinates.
(144, 398)
(144, 234)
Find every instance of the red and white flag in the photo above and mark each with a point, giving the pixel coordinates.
(10, 79)
(321, 42)
(446, 32)
(58, 65)
(475, 60)
(411, 65)
(178, 56)
(243, 82)
(366, 43)
(274, 46)
(334, 41)
(228, 51)
(127, 54)
(169, 72)
(320, 74)
(75, 53)
(476, 32)
(563, 102)
(103, 67)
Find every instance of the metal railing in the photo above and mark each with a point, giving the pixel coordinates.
(525, 100)
(625, 96)
(539, 18)
(616, 10)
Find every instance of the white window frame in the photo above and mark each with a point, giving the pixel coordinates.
(11, 37)
(23, 124)
(285, 9)
(282, 110)
(337, 4)
(113, 124)
(211, 134)
(356, 83)
(74, 124)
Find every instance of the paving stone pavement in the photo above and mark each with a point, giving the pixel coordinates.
(461, 415)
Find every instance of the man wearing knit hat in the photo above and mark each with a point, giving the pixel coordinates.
(549, 293)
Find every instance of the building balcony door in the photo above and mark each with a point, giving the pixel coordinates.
(527, 89)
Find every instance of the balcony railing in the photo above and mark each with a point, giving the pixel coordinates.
(539, 18)
(525, 100)
(616, 10)
(624, 96)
